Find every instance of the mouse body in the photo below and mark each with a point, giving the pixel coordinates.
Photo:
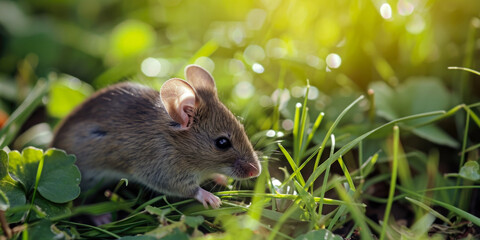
(170, 141)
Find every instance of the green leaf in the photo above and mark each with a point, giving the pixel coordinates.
(60, 178)
(194, 221)
(65, 94)
(12, 192)
(4, 203)
(158, 211)
(24, 166)
(436, 135)
(51, 210)
(417, 95)
(319, 234)
(40, 230)
(470, 171)
(20, 115)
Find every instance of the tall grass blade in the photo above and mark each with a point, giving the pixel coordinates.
(303, 124)
(430, 210)
(330, 130)
(465, 69)
(325, 177)
(468, 216)
(296, 128)
(322, 145)
(462, 156)
(20, 115)
(346, 173)
(357, 215)
(354, 142)
(393, 181)
(317, 123)
(292, 163)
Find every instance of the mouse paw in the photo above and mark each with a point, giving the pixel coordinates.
(207, 198)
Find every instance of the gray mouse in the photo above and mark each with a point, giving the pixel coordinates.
(170, 141)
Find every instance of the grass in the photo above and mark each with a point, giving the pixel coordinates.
(274, 209)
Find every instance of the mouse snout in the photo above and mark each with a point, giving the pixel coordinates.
(254, 170)
(249, 168)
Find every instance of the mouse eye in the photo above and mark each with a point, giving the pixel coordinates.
(223, 143)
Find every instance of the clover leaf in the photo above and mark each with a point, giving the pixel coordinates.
(13, 194)
(60, 178)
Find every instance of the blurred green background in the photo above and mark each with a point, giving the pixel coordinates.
(261, 54)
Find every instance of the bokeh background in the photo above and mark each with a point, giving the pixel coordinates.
(263, 54)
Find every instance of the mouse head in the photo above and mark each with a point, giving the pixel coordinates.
(208, 134)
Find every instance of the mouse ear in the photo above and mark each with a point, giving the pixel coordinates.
(179, 99)
(200, 78)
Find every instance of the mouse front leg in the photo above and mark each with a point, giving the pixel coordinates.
(207, 198)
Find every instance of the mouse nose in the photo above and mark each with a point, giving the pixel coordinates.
(253, 170)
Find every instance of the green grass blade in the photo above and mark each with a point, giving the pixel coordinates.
(458, 211)
(471, 148)
(37, 180)
(282, 220)
(296, 127)
(353, 143)
(393, 181)
(472, 115)
(325, 177)
(322, 145)
(93, 227)
(462, 156)
(357, 215)
(20, 115)
(258, 201)
(292, 163)
(330, 130)
(346, 173)
(317, 123)
(465, 69)
(303, 124)
(429, 209)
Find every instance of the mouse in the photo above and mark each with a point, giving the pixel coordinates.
(170, 140)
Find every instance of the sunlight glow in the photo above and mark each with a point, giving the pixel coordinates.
(287, 124)
(386, 11)
(270, 133)
(255, 18)
(151, 67)
(258, 68)
(206, 62)
(333, 60)
(244, 89)
(416, 25)
(405, 8)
